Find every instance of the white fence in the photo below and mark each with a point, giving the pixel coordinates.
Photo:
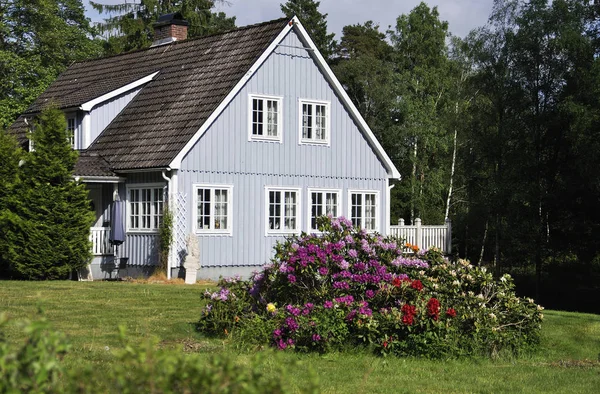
(425, 236)
(99, 237)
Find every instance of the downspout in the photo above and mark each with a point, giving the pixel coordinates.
(166, 192)
(388, 209)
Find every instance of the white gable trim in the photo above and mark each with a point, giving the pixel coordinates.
(92, 103)
(176, 163)
(322, 64)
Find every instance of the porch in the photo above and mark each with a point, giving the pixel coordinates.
(425, 237)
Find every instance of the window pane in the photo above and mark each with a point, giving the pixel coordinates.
(221, 209)
(307, 121)
(274, 210)
(370, 217)
(71, 131)
(272, 118)
(257, 116)
(320, 121)
(356, 210)
(331, 204)
(290, 210)
(316, 208)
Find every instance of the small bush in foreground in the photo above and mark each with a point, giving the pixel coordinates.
(35, 366)
(346, 287)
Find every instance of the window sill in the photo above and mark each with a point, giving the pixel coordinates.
(313, 142)
(213, 234)
(282, 233)
(266, 139)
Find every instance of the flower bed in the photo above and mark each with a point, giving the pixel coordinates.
(346, 287)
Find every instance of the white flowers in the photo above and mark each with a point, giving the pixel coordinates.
(530, 300)
(456, 283)
(492, 316)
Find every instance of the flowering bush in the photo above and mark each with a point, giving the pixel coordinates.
(346, 287)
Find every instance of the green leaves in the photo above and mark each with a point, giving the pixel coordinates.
(46, 218)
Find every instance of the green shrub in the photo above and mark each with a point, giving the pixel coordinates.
(32, 366)
(346, 287)
(35, 366)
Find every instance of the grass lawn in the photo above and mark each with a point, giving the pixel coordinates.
(90, 312)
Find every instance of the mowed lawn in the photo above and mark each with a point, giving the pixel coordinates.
(89, 313)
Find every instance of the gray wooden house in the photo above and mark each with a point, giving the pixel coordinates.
(247, 135)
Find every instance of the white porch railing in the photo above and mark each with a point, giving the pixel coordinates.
(425, 236)
(99, 237)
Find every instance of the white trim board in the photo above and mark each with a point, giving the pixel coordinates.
(92, 103)
(322, 64)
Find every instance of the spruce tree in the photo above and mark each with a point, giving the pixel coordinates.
(47, 217)
(313, 21)
(10, 154)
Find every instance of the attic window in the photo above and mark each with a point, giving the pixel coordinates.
(265, 118)
(314, 122)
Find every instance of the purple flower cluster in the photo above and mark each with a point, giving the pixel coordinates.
(222, 295)
(347, 299)
(409, 263)
(292, 310)
(291, 324)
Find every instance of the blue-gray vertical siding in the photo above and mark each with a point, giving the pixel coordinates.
(104, 113)
(141, 248)
(225, 156)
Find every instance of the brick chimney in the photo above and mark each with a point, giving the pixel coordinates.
(169, 28)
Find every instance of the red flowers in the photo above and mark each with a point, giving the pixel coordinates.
(433, 308)
(408, 314)
(417, 285)
(397, 282)
(451, 312)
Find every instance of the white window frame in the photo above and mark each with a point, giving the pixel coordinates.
(323, 191)
(212, 231)
(314, 141)
(151, 186)
(282, 189)
(74, 142)
(264, 137)
(377, 207)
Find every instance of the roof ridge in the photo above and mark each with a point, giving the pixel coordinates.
(274, 21)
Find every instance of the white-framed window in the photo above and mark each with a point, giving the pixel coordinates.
(71, 129)
(363, 209)
(144, 208)
(323, 202)
(282, 210)
(265, 118)
(314, 122)
(212, 208)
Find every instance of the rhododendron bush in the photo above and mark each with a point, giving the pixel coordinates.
(345, 287)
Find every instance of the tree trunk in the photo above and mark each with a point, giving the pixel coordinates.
(446, 215)
(485, 233)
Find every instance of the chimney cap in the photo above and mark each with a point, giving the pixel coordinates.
(174, 18)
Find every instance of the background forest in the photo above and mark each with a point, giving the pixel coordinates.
(498, 130)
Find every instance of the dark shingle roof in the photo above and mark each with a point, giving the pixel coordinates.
(195, 76)
(91, 164)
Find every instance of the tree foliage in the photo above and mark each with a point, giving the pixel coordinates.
(129, 25)
(46, 218)
(38, 40)
(313, 21)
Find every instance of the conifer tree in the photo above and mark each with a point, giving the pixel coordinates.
(129, 24)
(47, 217)
(313, 21)
(10, 154)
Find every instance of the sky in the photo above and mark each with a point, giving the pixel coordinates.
(462, 15)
